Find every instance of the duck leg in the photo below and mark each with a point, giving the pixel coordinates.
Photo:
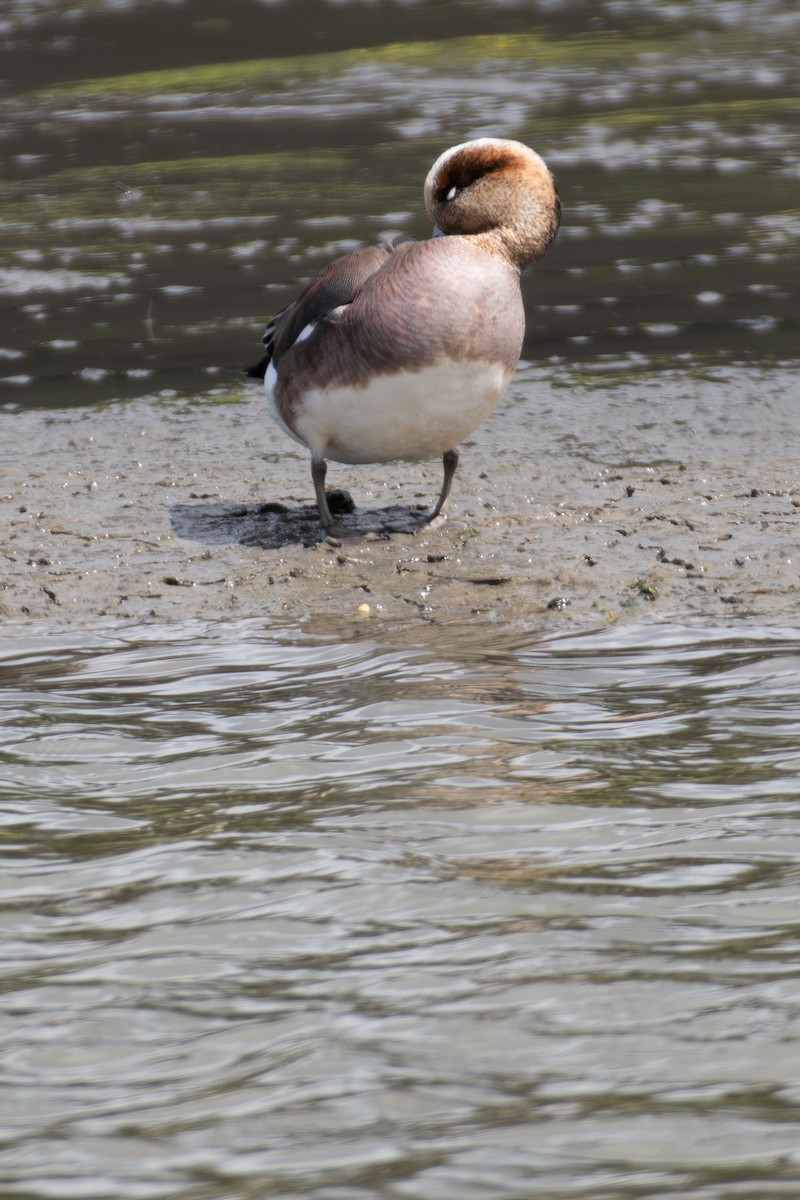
(449, 462)
(319, 469)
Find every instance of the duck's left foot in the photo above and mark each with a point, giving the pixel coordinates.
(319, 469)
(449, 462)
(337, 500)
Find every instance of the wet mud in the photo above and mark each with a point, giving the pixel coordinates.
(165, 195)
(168, 511)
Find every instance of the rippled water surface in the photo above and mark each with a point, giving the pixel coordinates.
(419, 913)
(174, 173)
(323, 917)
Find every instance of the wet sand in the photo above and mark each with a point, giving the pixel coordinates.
(169, 509)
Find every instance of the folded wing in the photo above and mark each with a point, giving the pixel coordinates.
(334, 286)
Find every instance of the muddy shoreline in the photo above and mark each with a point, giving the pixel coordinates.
(166, 509)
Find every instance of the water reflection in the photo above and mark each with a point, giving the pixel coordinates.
(377, 921)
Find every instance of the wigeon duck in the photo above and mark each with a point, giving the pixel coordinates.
(400, 350)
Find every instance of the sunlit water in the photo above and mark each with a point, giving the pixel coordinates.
(349, 918)
(303, 916)
(173, 175)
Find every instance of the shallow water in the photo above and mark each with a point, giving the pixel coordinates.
(173, 175)
(338, 919)
(431, 911)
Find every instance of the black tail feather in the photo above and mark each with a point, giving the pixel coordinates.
(259, 369)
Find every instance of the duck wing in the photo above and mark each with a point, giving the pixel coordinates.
(334, 286)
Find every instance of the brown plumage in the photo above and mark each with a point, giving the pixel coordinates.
(400, 350)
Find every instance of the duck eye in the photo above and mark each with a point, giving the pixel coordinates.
(451, 195)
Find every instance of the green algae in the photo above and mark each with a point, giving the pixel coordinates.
(679, 112)
(168, 189)
(454, 52)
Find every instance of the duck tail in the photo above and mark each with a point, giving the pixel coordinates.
(259, 369)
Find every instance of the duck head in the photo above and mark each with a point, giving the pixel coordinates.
(499, 192)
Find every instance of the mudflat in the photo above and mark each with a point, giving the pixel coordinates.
(664, 497)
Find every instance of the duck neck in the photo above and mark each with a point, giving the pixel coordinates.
(519, 246)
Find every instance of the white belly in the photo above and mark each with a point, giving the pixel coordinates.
(408, 416)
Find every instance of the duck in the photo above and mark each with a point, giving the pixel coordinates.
(400, 350)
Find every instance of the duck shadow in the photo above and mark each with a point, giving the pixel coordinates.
(271, 525)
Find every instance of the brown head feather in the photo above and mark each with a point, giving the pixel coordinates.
(498, 191)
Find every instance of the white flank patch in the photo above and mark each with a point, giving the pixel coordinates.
(271, 379)
(406, 416)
